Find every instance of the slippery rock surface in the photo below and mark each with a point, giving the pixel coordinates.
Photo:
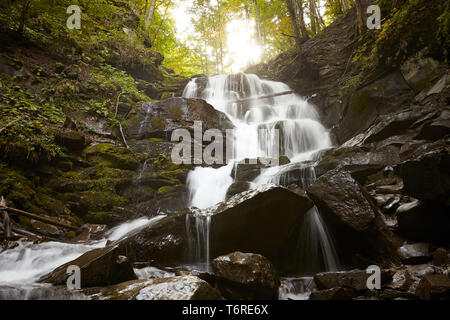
(246, 276)
(172, 288)
(354, 279)
(259, 220)
(340, 194)
(99, 267)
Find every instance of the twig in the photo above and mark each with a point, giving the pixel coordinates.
(123, 136)
(117, 104)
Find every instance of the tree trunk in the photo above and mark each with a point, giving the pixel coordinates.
(361, 14)
(162, 21)
(23, 18)
(301, 20)
(312, 17)
(293, 16)
(345, 5)
(150, 12)
(258, 22)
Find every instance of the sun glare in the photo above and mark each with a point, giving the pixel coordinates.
(242, 49)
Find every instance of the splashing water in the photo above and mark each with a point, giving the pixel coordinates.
(26, 263)
(291, 127)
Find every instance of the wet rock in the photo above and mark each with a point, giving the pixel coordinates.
(112, 156)
(339, 193)
(390, 294)
(246, 223)
(236, 188)
(246, 276)
(354, 279)
(434, 287)
(172, 288)
(333, 294)
(99, 267)
(159, 119)
(73, 140)
(441, 257)
(427, 178)
(247, 171)
(416, 253)
(401, 280)
(436, 129)
(423, 222)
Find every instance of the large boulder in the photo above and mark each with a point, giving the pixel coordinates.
(159, 119)
(339, 193)
(428, 177)
(172, 288)
(99, 267)
(260, 220)
(357, 224)
(246, 276)
(435, 286)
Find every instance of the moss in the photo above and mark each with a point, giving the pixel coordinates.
(361, 102)
(166, 189)
(109, 155)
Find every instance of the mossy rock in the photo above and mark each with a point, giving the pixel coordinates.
(82, 202)
(112, 156)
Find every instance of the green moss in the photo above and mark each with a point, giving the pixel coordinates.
(166, 189)
(109, 155)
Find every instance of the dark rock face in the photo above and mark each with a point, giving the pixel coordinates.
(99, 267)
(172, 288)
(236, 188)
(258, 221)
(339, 193)
(246, 276)
(416, 253)
(381, 97)
(424, 222)
(159, 119)
(333, 294)
(354, 279)
(428, 178)
(356, 222)
(436, 286)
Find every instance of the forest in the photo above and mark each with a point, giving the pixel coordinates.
(224, 150)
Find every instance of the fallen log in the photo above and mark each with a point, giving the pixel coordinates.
(42, 219)
(263, 97)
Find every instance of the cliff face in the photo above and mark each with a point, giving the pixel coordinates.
(355, 79)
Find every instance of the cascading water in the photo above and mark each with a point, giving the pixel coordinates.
(23, 265)
(279, 125)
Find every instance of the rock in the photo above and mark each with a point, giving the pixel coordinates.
(159, 119)
(247, 171)
(236, 188)
(112, 156)
(418, 71)
(246, 223)
(333, 294)
(425, 222)
(390, 294)
(354, 279)
(99, 267)
(378, 98)
(416, 253)
(339, 193)
(246, 276)
(74, 141)
(401, 280)
(436, 129)
(391, 125)
(441, 257)
(172, 288)
(440, 85)
(434, 287)
(427, 178)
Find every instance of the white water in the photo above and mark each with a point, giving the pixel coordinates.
(257, 122)
(26, 263)
(300, 136)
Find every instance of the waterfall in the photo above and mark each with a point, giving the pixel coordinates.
(22, 266)
(283, 125)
